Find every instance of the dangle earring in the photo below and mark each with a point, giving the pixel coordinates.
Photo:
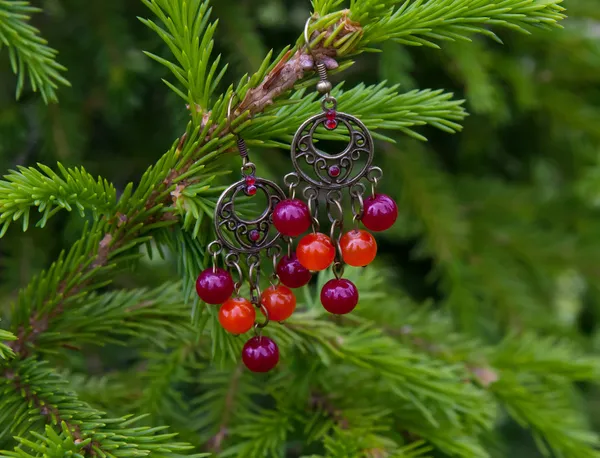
(327, 175)
(246, 241)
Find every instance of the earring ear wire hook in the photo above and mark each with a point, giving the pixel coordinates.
(324, 85)
(307, 39)
(248, 168)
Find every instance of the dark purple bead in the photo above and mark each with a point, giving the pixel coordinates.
(339, 296)
(380, 212)
(254, 235)
(214, 286)
(291, 273)
(260, 354)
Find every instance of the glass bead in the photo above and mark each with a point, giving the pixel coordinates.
(359, 248)
(237, 315)
(315, 251)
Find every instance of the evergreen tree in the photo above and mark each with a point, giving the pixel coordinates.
(481, 314)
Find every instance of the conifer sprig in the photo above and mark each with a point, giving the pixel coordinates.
(50, 192)
(5, 351)
(189, 36)
(30, 56)
(425, 22)
(380, 107)
(81, 429)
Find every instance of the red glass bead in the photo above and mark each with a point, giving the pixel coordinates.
(251, 190)
(279, 301)
(315, 251)
(291, 217)
(291, 273)
(339, 296)
(330, 124)
(214, 286)
(237, 315)
(380, 212)
(359, 248)
(254, 235)
(331, 115)
(334, 171)
(260, 354)
(250, 180)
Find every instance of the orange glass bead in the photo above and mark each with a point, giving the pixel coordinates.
(359, 248)
(315, 251)
(237, 315)
(279, 301)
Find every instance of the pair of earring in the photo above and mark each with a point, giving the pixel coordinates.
(322, 178)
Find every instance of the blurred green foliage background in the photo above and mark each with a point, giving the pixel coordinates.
(509, 206)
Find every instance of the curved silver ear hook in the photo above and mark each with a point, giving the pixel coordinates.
(324, 85)
(307, 39)
(241, 144)
(233, 94)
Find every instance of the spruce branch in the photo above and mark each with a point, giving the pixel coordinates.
(83, 429)
(379, 107)
(50, 192)
(404, 374)
(547, 409)
(29, 53)
(323, 7)
(423, 22)
(5, 351)
(158, 315)
(189, 36)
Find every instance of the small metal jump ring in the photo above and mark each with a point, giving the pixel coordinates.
(214, 249)
(336, 240)
(333, 200)
(338, 269)
(312, 209)
(249, 168)
(230, 261)
(329, 100)
(258, 325)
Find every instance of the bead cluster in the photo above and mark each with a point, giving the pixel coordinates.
(237, 315)
(316, 251)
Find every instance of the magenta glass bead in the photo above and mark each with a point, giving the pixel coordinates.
(251, 190)
(260, 354)
(291, 217)
(291, 273)
(330, 124)
(254, 235)
(214, 286)
(339, 296)
(334, 171)
(250, 180)
(380, 212)
(330, 115)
